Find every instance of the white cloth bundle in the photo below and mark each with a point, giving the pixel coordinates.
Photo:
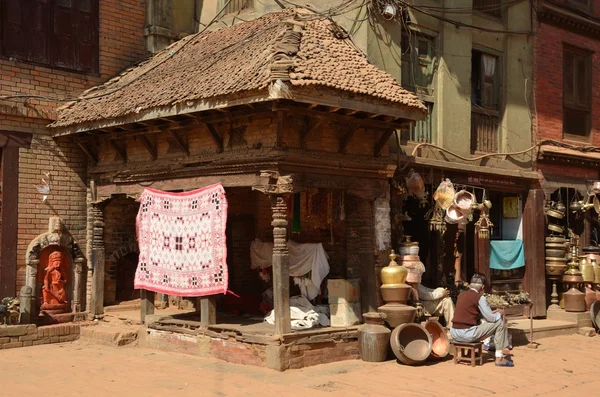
(303, 258)
(303, 315)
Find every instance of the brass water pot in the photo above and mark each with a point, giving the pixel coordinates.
(393, 273)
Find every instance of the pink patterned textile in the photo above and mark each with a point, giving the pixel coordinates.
(181, 236)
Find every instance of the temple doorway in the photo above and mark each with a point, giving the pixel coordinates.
(125, 277)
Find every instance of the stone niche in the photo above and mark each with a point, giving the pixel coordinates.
(54, 284)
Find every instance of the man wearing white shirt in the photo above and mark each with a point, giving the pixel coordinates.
(437, 302)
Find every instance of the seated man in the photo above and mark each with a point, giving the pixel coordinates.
(437, 302)
(470, 307)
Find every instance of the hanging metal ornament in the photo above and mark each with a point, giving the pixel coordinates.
(484, 226)
(436, 223)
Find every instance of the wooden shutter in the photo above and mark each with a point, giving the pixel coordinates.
(64, 33)
(87, 49)
(25, 28)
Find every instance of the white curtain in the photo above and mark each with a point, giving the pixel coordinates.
(489, 65)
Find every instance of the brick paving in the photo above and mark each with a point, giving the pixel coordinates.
(561, 366)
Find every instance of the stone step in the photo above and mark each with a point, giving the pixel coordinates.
(111, 335)
(541, 329)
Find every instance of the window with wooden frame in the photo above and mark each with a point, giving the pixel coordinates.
(229, 7)
(55, 33)
(419, 63)
(485, 101)
(577, 94)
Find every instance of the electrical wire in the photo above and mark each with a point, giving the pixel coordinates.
(552, 142)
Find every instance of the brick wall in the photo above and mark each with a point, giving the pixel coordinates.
(31, 335)
(549, 76)
(121, 44)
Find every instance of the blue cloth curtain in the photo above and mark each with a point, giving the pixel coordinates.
(506, 254)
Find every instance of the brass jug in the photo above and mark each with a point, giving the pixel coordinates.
(586, 269)
(596, 271)
(574, 300)
(393, 273)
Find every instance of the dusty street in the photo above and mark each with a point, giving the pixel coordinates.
(561, 366)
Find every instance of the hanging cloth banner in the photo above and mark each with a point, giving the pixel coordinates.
(181, 236)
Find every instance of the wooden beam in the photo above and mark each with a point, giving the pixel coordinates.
(308, 129)
(121, 150)
(340, 118)
(385, 136)
(151, 148)
(147, 304)
(208, 310)
(180, 142)
(346, 139)
(88, 152)
(215, 135)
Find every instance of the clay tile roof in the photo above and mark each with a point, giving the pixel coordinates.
(302, 49)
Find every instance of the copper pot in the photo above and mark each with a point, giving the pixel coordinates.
(590, 297)
(574, 300)
(411, 343)
(397, 314)
(373, 338)
(397, 293)
(440, 345)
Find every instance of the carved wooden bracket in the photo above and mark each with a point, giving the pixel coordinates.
(215, 135)
(121, 150)
(382, 141)
(346, 139)
(180, 142)
(88, 152)
(275, 184)
(150, 147)
(308, 128)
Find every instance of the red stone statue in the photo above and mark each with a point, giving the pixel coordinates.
(53, 292)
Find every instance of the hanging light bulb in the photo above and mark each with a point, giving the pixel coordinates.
(389, 11)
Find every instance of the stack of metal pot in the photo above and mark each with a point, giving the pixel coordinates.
(574, 299)
(556, 212)
(395, 292)
(556, 256)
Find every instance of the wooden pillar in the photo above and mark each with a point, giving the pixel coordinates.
(208, 310)
(147, 304)
(281, 268)
(534, 281)
(97, 261)
(9, 176)
(278, 188)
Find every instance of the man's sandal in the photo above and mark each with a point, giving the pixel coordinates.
(506, 363)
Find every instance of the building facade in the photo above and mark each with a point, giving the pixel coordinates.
(51, 51)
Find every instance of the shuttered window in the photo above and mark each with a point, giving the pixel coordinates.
(577, 96)
(419, 64)
(56, 33)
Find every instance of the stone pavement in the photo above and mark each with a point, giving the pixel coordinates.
(561, 366)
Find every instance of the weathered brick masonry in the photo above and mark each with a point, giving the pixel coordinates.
(121, 42)
(30, 335)
(550, 41)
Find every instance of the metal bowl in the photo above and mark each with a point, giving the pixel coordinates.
(440, 345)
(556, 253)
(556, 228)
(411, 343)
(555, 214)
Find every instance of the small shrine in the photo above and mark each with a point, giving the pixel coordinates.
(54, 285)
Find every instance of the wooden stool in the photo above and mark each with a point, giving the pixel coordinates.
(468, 352)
